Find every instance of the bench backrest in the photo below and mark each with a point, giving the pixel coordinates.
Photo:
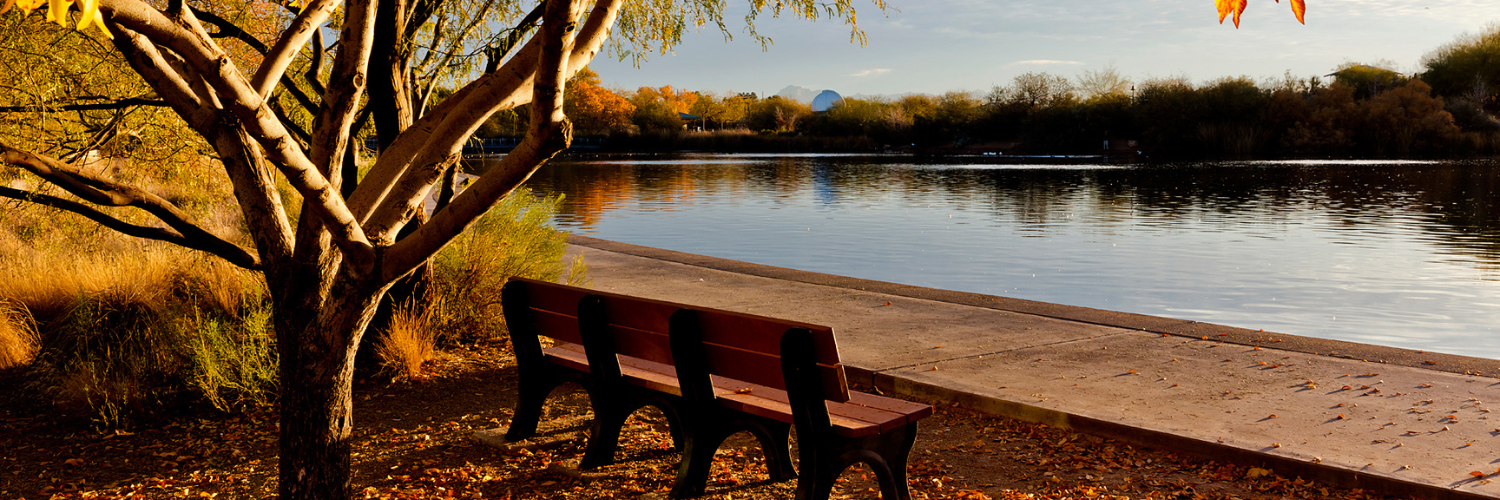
(699, 341)
(535, 309)
(749, 348)
(627, 326)
(604, 323)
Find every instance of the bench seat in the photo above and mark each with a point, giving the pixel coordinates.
(863, 415)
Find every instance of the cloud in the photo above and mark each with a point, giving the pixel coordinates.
(1042, 62)
(871, 72)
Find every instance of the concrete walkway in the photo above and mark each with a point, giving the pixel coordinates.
(1393, 420)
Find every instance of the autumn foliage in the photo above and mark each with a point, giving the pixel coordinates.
(1237, 7)
(595, 109)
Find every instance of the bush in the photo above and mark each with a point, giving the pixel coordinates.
(516, 238)
(118, 337)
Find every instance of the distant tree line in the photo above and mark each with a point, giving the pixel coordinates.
(1358, 110)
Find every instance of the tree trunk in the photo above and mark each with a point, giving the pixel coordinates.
(316, 374)
(390, 68)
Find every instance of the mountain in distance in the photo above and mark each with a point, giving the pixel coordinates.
(803, 95)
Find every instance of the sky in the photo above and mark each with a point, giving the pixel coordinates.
(936, 46)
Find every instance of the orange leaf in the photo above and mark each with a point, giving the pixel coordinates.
(1429, 362)
(1224, 9)
(1476, 474)
(1239, 8)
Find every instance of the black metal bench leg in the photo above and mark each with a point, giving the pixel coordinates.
(528, 412)
(816, 479)
(886, 453)
(896, 463)
(604, 436)
(697, 462)
(775, 443)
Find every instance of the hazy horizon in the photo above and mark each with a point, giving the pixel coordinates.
(939, 46)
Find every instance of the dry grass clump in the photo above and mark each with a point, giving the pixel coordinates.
(18, 340)
(119, 334)
(409, 341)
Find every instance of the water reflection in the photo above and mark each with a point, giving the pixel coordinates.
(1397, 253)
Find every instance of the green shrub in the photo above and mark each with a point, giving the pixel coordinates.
(516, 238)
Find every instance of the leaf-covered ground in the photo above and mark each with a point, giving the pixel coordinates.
(414, 440)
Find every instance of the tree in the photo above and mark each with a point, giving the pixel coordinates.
(1467, 68)
(593, 108)
(328, 270)
(1035, 91)
(1406, 118)
(1367, 80)
(1105, 82)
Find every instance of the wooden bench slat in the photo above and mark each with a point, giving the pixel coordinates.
(763, 335)
(643, 344)
(651, 375)
(913, 411)
(557, 299)
(638, 314)
(850, 420)
(556, 325)
(568, 355)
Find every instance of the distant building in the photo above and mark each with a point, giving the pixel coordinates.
(825, 100)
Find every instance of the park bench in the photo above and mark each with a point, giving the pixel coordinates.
(713, 373)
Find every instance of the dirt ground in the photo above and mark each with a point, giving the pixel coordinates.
(414, 440)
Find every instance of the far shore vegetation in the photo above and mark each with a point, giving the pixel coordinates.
(1448, 108)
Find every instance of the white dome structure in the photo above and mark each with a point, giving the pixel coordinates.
(825, 100)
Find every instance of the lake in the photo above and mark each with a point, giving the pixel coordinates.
(1398, 253)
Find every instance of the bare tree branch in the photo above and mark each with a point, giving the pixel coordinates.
(550, 133)
(340, 106)
(314, 74)
(101, 191)
(291, 126)
(437, 137)
(281, 55)
(119, 104)
(244, 161)
(426, 66)
(251, 110)
(228, 29)
(242, 259)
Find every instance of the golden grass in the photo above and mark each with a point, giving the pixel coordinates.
(18, 341)
(50, 288)
(409, 342)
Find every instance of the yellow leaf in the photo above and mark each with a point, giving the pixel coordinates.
(26, 6)
(86, 11)
(1255, 472)
(57, 11)
(98, 18)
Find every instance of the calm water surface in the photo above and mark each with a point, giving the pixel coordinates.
(1396, 253)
